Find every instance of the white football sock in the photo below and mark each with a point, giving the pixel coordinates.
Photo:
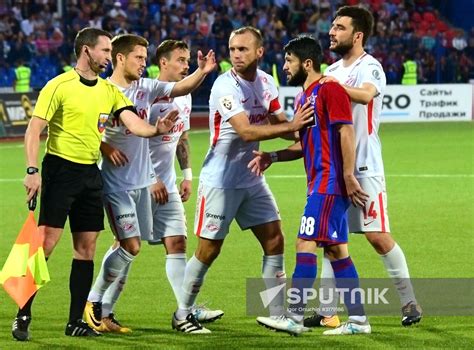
(112, 293)
(328, 289)
(397, 268)
(192, 282)
(111, 268)
(273, 274)
(175, 267)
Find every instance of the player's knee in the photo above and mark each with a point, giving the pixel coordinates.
(131, 246)
(48, 245)
(85, 251)
(274, 244)
(208, 253)
(382, 242)
(175, 244)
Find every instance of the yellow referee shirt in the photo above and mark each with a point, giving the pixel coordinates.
(77, 110)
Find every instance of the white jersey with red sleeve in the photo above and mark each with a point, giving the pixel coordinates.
(163, 147)
(226, 161)
(138, 172)
(366, 69)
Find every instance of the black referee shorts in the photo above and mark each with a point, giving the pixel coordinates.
(72, 189)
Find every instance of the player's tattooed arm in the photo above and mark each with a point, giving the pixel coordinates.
(183, 153)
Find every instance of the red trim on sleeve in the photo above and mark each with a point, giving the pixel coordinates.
(274, 105)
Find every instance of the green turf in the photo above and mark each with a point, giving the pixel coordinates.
(432, 218)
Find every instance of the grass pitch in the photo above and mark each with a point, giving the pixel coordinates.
(430, 183)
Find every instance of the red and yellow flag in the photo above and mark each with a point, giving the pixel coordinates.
(25, 270)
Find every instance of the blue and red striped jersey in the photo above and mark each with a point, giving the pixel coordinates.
(321, 141)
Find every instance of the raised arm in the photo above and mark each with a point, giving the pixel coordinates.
(206, 64)
(140, 127)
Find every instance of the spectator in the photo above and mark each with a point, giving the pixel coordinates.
(117, 11)
(459, 41)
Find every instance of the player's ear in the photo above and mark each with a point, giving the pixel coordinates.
(162, 62)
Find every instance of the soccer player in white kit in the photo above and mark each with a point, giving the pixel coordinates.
(169, 220)
(363, 78)
(128, 173)
(243, 101)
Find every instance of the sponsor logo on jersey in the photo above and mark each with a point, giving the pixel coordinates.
(244, 100)
(178, 127)
(142, 113)
(166, 138)
(215, 216)
(123, 216)
(257, 118)
(103, 117)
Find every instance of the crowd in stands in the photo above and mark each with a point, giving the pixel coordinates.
(42, 35)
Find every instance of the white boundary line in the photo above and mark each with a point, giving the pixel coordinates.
(416, 176)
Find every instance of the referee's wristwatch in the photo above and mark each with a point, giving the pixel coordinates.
(31, 170)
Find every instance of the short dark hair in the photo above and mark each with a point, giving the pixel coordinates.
(306, 47)
(125, 43)
(249, 29)
(89, 37)
(166, 47)
(362, 20)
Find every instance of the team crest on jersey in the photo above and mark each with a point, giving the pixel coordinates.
(140, 95)
(227, 102)
(103, 117)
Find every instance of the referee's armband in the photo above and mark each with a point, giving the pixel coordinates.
(188, 174)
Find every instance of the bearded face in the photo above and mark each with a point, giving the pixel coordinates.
(298, 77)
